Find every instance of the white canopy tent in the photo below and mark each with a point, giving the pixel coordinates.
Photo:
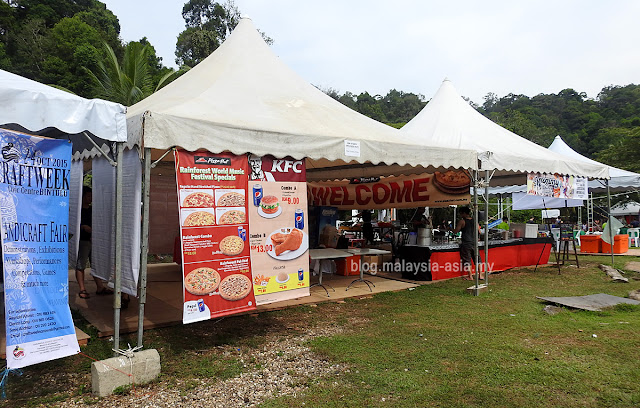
(621, 180)
(30, 106)
(626, 208)
(243, 98)
(449, 121)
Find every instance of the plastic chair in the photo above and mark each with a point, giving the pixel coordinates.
(576, 236)
(634, 237)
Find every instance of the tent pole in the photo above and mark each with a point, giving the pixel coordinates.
(486, 228)
(144, 245)
(609, 221)
(117, 301)
(455, 208)
(476, 254)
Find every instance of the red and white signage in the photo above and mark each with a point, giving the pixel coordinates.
(214, 231)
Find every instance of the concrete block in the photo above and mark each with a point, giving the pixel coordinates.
(109, 374)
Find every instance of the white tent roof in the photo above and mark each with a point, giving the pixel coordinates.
(34, 107)
(620, 179)
(627, 208)
(243, 98)
(449, 121)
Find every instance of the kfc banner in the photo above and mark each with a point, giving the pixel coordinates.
(557, 186)
(423, 190)
(34, 207)
(212, 197)
(279, 233)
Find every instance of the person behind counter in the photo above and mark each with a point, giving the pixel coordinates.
(367, 227)
(467, 247)
(504, 225)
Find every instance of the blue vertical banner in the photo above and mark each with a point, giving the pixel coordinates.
(34, 212)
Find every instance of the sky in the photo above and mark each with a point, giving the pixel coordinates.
(521, 47)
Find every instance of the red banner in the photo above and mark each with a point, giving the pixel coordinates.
(212, 197)
(424, 190)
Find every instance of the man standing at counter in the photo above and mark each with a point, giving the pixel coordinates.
(467, 247)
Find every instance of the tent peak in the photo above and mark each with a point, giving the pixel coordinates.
(245, 17)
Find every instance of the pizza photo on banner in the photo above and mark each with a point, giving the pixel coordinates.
(557, 186)
(212, 200)
(440, 189)
(279, 236)
(34, 211)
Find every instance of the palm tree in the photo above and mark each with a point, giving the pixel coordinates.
(131, 81)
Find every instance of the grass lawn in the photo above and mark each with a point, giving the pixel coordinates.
(433, 346)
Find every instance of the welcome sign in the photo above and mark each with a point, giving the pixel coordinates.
(34, 212)
(440, 189)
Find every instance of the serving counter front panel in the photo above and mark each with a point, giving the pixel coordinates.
(444, 260)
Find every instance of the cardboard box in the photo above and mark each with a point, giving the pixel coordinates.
(371, 263)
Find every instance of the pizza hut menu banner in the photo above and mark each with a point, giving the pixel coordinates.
(212, 198)
(279, 233)
(424, 190)
(558, 186)
(34, 208)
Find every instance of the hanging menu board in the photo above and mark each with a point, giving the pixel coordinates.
(212, 198)
(279, 236)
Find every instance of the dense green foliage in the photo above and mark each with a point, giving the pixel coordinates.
(61, 42)
(207, 23)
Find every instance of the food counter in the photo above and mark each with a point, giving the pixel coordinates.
(435, 262)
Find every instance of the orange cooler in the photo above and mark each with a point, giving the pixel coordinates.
(591, 244)
(348, 266)
(620, 244)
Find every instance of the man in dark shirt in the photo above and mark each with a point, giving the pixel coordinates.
(467, 247)
(84, 248)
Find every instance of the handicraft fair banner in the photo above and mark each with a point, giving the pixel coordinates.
(34, 207)
(440, 189)
(279, 234)
(558, 186)
(212, 198)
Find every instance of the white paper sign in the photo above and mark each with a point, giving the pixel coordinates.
(557, 185)
(352, 148)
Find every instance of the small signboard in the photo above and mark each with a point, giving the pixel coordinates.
(566, 232)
